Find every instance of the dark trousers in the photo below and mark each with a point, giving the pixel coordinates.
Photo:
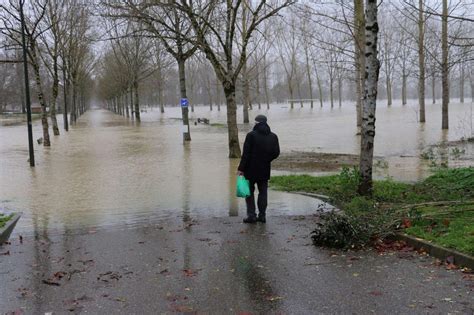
(261, 201)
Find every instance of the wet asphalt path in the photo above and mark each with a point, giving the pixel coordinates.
(219, 266)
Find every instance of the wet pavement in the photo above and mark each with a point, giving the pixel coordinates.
(219, 266)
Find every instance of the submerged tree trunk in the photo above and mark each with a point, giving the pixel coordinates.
(370, 100)
(54, 98)
(136, 99)
(131, 102)
(445, 66)
(404, 87)
(65, 95)
(331, 91)
(74, 99)
(389, 91)
(421, 61)
(184, 110)
(339, 90)
(39, 88)
(433, 87)
(233, 135)
(160, 90)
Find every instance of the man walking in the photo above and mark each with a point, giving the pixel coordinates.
(261, 147)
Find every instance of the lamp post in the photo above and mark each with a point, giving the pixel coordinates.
(27, 86)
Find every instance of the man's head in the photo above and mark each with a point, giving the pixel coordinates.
(260, 119)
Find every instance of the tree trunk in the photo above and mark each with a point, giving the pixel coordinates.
(44, 113)
(339, 91)
(233, 134)
(182, 90)
(389, 91)
(257, 86)
(461, 84)
(308, 73)
(131, 103)
(265, 82)
(404, 87)
(359, 17)
(73, 116)
(320, 89)
(65, 95)
(19, 75)
(125, 103)
(209, 91)
(246, 90)
(444, 66)
(370, 100)
(421, 61)
(471, 79)
(136, 99)
(299, 93)
(433, 87)
(331, 91)
(290, 89)
(54, 98)
(218, 95)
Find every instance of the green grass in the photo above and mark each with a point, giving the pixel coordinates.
(4, 219)
(449, 223)
(451, 226)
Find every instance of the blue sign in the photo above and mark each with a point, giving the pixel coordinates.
(184, 102)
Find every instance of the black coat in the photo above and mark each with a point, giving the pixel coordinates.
(261, 147)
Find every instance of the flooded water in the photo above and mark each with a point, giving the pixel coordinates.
(109, 171)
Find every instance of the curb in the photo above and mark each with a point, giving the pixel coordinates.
(437, 251)
(7, 230)
(317, 196)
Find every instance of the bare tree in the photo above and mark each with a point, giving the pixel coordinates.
(11, 27)
(370, 99)
(215, 26)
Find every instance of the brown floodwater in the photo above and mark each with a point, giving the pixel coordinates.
(109, 171)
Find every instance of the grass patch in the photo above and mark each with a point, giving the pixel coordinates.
(439, 209)
(4, 219)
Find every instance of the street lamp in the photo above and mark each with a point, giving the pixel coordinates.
(27, 86)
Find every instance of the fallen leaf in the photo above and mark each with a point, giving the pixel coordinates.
(375, 293)
(190, 273)
(273, 298)
(7, 253)
(49, 282)
(451, 267)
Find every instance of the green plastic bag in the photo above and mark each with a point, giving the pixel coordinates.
(243, 187)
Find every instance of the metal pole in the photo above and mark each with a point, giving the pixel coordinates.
(27, 87)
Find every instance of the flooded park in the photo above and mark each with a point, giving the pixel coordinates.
(236, 157)
(109, 170)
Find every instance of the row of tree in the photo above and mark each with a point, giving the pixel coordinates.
(59, 41)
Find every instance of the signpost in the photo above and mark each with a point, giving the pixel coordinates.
(184, 107)
(184, 103)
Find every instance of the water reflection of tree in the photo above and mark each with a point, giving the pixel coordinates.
(233, 201)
